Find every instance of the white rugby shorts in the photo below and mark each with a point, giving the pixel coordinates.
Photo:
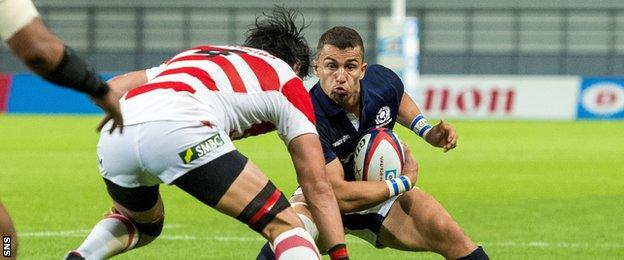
(14, 15)
(156, 152)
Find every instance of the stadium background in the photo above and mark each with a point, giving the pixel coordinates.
(525, 187)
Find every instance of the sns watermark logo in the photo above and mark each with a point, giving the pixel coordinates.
(390, 174)
(6, 246)
(201, 149)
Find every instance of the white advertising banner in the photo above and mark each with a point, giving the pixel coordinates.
(498, 97)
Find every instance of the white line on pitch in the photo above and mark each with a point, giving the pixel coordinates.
(530, 244)
(73, 233)
(544, 244)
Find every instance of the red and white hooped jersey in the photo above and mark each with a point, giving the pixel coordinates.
(242, 90)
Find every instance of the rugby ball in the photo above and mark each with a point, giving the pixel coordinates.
(378, 156)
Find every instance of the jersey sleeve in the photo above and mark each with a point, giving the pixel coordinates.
(296, 93)
(151, 73)
(328, 153)
(296, 116)
(392, 80)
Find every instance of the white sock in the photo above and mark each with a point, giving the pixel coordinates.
(309, 225)
(295, 244)
(112, 235)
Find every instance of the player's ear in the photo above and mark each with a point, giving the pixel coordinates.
(297, 68)
(315, 67)
(364, 66)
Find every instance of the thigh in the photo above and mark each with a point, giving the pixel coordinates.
(236, 187)
(118, 160)
(418, 222)
(227, 183)
(141, 204)
(210, 182)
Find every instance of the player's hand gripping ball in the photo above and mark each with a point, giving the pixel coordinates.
(378, 156)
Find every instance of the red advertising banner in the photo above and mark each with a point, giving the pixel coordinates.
(5, 86)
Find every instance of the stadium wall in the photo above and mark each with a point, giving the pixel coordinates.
(28, 93)
(440, 96)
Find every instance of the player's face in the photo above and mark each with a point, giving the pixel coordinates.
(340, 72)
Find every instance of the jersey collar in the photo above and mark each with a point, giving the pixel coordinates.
(329, 106)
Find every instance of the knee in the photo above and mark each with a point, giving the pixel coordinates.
(448, 236)
(440, 226)
(148, 226)
(149, 231)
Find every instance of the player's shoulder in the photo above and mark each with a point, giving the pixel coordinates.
(281, 67)
(379, 72)
(284, 71)
(381, 76)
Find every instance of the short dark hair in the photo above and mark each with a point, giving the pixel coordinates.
(278, 34)
(342, 37)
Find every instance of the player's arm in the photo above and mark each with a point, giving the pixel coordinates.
(45, 54)
(128, 81)
(442, 135)
(121, 84)
(307, 157)
(350, 195)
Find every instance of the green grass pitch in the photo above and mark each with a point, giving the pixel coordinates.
(523, 190)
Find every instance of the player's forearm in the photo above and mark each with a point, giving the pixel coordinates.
(128, 81)
(408, 110)
(351, 197)
(350, 194)
(324, 209)
(37, 47)
(308, 160)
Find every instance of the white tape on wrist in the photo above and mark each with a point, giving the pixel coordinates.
(398, 185)
(420, 126)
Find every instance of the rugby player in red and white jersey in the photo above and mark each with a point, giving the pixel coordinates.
(180, 119)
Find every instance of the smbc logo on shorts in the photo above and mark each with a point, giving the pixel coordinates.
(201, 149)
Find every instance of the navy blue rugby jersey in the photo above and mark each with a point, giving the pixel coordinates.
(380, 95)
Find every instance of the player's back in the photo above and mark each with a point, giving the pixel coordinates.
(234, 86)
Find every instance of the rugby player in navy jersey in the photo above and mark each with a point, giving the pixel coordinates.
(349, 99)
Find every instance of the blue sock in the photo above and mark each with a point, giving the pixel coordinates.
(266, 253)
(477, 254)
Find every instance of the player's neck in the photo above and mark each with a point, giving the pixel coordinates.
(353, 106)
